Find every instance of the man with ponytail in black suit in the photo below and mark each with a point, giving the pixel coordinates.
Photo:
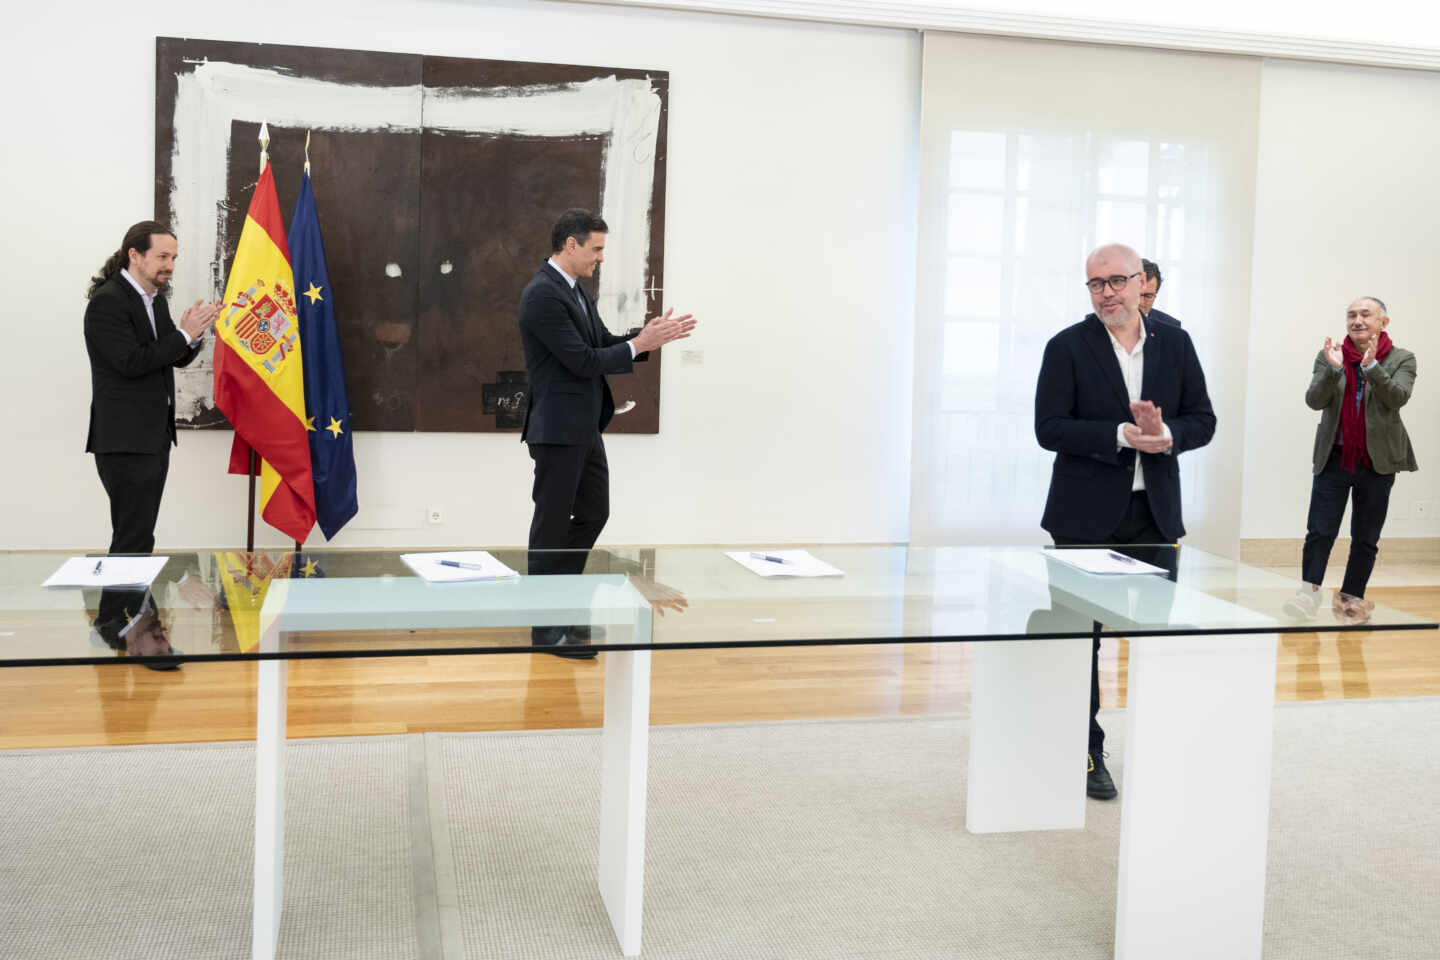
(134, 347)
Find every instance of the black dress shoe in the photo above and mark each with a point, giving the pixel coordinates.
(1098, 784)
(581, 634)
(563, 646)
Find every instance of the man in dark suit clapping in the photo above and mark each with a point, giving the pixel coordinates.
(1117, 400)
(568, 352)
(134, 347)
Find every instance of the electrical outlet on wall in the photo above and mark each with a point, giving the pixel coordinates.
(434, 515)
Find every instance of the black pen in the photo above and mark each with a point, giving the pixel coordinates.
(1121, 557)
(96, 573)
(766, 556)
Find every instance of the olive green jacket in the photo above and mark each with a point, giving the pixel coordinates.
(1387, 388)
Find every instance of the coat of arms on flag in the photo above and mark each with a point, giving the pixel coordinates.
(266, 321)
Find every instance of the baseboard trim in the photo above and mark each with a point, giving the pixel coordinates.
(1393, 550)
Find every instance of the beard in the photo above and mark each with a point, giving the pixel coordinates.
(1117, 321)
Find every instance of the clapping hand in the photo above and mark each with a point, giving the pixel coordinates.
(1333, 354)
(199, 317)
(660, 330)
(1147, 433)
(1369, 356)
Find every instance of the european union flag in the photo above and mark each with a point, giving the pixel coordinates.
(332, 458)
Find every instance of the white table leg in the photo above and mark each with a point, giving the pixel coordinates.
(625, 759)
(1195, 792)
(1029, 723)
(269, 806)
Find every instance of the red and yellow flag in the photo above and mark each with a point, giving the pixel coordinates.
(259, 378)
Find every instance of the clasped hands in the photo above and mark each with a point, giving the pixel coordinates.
(198, 318)
(1147, 433)
(1335, 355)
(660, 330)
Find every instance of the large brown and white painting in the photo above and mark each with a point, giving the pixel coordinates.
(437, 180)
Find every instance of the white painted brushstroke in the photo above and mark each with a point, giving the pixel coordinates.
(210, 98)
(627, 114)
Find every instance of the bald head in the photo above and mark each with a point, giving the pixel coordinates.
(1111, 273)
(1117, 253)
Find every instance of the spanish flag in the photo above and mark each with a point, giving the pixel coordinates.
(259, 377)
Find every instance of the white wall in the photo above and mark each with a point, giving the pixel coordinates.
(790, 209)
(1347, 206)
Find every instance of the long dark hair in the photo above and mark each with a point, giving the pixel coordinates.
(136, 238)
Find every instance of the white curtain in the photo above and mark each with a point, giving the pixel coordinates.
(1032, 154)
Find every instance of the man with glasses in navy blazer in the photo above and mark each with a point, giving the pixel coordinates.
(1117, 400)
(568, 352)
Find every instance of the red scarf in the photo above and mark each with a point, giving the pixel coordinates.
(1353, 451)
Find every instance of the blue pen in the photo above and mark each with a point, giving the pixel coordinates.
(766, 556)
(461, 564)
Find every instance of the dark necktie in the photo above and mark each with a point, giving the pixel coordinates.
(589, 318)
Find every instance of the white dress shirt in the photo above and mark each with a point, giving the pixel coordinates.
(1132, 369)
(149, 299)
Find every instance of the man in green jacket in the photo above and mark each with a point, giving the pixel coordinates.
(1359, 385)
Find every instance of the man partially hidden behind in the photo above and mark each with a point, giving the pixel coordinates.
(134, 347)
(1117, 400)
(1153, 281)
(1359, 383)
(568, 352)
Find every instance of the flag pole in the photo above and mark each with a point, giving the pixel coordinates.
(298, 544)
(254, 457)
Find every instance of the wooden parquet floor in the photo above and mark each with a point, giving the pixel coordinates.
(126, 704)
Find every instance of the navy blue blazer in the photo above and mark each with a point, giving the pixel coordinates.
(1080, 400)
(568, 352)
(1162, 316)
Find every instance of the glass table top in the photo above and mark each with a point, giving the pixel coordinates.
(229, 605)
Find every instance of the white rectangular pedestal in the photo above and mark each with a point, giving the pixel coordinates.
(1030, 713)
(1195, 795)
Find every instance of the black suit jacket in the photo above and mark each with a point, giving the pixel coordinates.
(132, 375)
(568, 352)
(1162, 317)
(1080, 400)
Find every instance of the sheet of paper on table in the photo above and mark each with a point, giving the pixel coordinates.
(457, 565)
(107, 572)
(1102, 561)
(783, 563)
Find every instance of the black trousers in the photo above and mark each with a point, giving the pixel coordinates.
(1369, 496)
(134, 482)
(572, 504)
(1138, 526)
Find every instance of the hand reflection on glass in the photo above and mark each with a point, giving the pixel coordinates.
(660, 596)
(196, 593)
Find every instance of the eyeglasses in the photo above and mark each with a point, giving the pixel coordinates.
(1147, 297)
(1116, 283)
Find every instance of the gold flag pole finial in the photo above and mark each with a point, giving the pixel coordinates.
(307, 153)
(264, 144)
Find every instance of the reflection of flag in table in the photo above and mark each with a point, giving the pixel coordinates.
(259, 380)
(332, 456)
(246, 578)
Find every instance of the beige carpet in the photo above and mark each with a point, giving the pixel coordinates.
(836, 839)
